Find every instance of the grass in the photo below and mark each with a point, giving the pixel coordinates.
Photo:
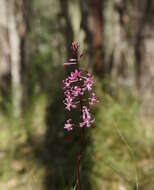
(120, 143)
(18, 168)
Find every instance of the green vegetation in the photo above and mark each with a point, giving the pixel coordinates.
(118, 150)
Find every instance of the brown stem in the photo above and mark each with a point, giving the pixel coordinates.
(80, 157)
(81, 141)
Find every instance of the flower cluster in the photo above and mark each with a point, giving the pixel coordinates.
(78, 90)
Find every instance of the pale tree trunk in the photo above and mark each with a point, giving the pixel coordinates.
(4, 50)
(13, 25)
(129, 44)
(119, 53)
(15, 59)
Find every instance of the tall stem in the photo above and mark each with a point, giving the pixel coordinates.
(81, 140)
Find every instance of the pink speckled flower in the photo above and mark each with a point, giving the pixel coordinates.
(75, 75)
(78, 86)
(86, 118)
(88, 83)
(68, 125)
(93, 99)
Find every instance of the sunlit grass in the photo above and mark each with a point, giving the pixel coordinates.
(18, 168)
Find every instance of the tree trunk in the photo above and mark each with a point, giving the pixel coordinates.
(129, 48)
(24, 25)
(144, 54)
(68, 29)
(92, 24)
(4, 50)
(119, 53)
(12, 50)
(15, 59)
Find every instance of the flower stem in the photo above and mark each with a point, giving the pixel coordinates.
(81, 140)
(79, 158)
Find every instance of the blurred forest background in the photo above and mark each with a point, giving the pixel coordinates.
(117, 37)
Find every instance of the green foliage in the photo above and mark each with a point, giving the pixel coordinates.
(119, 144)
(117, 149)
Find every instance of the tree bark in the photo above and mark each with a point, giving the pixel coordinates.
(92, 24)
(144, 54)
(4, 50)
(24, 12)
(15, 59)
(12, 50)
(68, 29)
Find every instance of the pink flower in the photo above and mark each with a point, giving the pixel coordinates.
(86, 118)
(77, 91)
(93, 99)
(68, 125)
(88, 83)
(75, 75)
(78, 85)
(69, 103)
(66, 83)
